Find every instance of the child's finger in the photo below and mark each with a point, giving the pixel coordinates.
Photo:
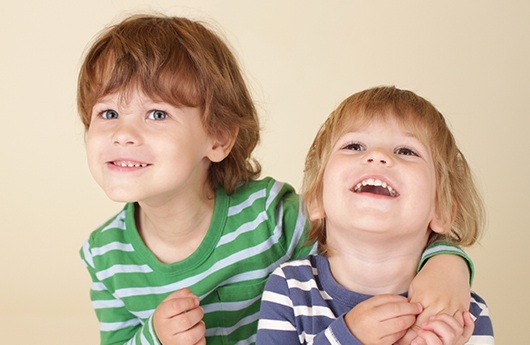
(444, 321)
(396, 309)
(397, 324)
(185, 292)
(418, 341)
(429, 338)
(469, 325)
(392, 338)
(194, 335)
(187, 321)
(409, 336)
(201, 341)
(445, 332)
(176, 306)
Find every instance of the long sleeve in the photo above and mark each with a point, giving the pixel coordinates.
(442, 247)
(117, 325)
(283, 321)
(293, 221)
(336, 333)
(277, 322)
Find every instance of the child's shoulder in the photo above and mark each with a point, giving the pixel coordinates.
(478, 305)
(266, 188)
(112, 230)
(296, 269)
(267, 183)
(479, 310)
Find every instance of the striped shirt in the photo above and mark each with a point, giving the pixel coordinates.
(303, 304)
(252, 232)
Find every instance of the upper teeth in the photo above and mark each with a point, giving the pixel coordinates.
(375, 182)
(130, 164)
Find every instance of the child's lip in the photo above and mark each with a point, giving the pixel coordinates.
(128, 163)
(375, 185)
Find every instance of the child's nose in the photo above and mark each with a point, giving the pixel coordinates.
(126, 134)
(379, 156)
(382, 161)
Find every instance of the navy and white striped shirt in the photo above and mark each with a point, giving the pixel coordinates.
(303, 304)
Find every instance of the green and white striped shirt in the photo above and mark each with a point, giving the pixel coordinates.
(252, 232)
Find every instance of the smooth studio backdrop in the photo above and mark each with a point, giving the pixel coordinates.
(301, 58)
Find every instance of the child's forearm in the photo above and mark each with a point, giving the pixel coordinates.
(438, 248)
(441, 286)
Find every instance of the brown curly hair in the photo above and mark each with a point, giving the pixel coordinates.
(181, 62)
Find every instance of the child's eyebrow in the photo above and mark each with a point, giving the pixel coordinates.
(152, 103)
(410, 135)
(104, 100)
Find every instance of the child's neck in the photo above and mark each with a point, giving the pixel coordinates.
(373, 269)
(174, 230)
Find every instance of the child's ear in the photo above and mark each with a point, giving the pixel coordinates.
(222, 145)
(315, 211)
(441, 223)
(438, 223)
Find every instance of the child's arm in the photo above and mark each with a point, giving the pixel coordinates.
(285, 209)
(442, 284)
(119, 326)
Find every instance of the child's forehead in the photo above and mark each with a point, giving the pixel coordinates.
(410, 125)
(361, 120)
(126, 95)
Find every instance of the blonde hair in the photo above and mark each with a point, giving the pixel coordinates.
(457, 198)
(181, 62)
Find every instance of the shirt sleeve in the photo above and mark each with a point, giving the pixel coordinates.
(336, 333)
(277, 323)
(483, 331)
(117, 325)
(290, 217)
(443, 247)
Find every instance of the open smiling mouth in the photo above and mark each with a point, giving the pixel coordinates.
(375, 186)
(128, 164)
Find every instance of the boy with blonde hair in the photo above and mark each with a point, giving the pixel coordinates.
(383, 179)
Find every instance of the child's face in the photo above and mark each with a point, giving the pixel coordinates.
(379, 179)
(143, 150)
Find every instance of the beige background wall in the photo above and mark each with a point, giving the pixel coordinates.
(470, 58)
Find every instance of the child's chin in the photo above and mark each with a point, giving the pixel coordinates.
(120, 197)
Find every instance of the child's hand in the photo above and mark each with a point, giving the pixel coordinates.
(445, 329)
(442, 286)
(382, 319)
(178, 319)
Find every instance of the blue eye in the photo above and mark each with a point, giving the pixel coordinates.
(405, 152)
(109, 114)
(354, 147)
(157, 115)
